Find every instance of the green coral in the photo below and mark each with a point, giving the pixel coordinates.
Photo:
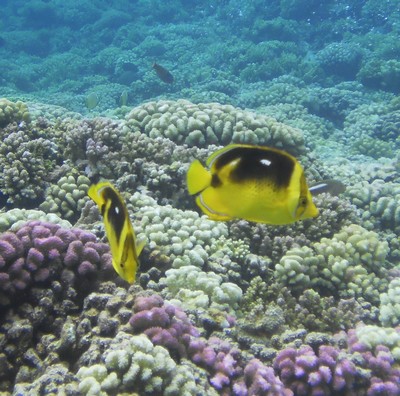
(14, 217)
(269, 59)
(372, 336)
(374, 148)
(68, 197)
(390, 304)
(388, 128)
(381, 74)
(380, 202)
(182, 236)
(134, 364)
(197, 289)
(263, 319)
(350, 264)
(26, 159)
(341, 58)
(13, 112)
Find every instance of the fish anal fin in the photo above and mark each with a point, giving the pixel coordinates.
(216, 216)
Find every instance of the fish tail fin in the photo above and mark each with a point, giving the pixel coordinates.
(198, 177)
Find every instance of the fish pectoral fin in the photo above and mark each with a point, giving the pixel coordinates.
(198, 177)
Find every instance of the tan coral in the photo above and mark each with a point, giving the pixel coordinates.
(68, 197)
(212, 123)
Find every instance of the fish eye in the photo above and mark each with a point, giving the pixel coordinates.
(303, 201)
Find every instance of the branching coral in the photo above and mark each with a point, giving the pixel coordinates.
(308, 373)
(26, 158)
(168, 326)
(388, 128)
(356, 366)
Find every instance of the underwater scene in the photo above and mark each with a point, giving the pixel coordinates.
(200, 197)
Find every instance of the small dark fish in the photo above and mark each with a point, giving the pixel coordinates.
(163, 73)
(331, 186)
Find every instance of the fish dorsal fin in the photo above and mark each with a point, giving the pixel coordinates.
(213, 157)
(198, 178)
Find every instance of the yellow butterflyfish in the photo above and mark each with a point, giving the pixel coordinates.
(120, 234)
(254, 183)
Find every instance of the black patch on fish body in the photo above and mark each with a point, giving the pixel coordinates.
(215, 181)
(258, 164)
(116, 212)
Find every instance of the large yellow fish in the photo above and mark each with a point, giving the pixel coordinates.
(255, 183)
(120, 234)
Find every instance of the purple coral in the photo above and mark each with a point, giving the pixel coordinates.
(169, 326)
(359, 369)
(307, 373)
(41, 252)
(384, 376)
(260, 380)
(163, 323)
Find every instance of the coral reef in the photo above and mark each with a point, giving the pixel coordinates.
(381, 73)
(219, 308)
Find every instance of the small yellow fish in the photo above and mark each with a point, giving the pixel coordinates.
(120, 234)
(255, 183)
(92, 100)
